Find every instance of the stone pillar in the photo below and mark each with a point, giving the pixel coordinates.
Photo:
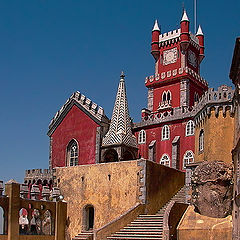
(184, 93)
(152, 151)
(175, 152)
(98, 145)
(60, 220)
(12, 190)
(150, 99)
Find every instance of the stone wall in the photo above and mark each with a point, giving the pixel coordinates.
(111, 188)
(114, 188)
(218, 137)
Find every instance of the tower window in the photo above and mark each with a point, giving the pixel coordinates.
(190, 128)
(165, 132)
(72, 153)
(164, 96)
(196, 97)
(188, 158)
(142, 137)
(201, 140)
(165, 160)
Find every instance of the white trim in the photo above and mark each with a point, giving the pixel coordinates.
(166, 161)
(165, 132)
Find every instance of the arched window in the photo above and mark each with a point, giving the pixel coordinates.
(190, 128)
(164, 96)
(201, 140)
(165, 132)
(165, 160)
(142, 137)
(169, 96)
(72, 153)
(188, 158)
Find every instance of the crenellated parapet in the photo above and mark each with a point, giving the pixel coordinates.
(172, 74)
(214, 100)
(86, 104)
(33, 175)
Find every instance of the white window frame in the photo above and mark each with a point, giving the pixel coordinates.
(142, 137)
(165, 132)
(72, 153)
(187, 158)
(165, 160)
(190, 128)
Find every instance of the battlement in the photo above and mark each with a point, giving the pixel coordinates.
(169, 37)
(90, 106)
(155, 79)
(34, 175)
(211, 99)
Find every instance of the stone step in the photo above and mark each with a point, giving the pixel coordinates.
(139, 233)
(134, 238)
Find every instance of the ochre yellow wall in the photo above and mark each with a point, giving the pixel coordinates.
(218, 138)
(110, 198)
(199, 227)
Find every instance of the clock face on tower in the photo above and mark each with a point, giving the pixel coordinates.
(192, 58)
(170, 56)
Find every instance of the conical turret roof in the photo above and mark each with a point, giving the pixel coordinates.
(120, 131)
(156, 27)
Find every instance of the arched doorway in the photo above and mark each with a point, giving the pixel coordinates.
(88, 218)
(127, 156)
(110, 156)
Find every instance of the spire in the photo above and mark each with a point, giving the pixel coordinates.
(156, 27)
(185, 17)
(120, 131)
(199, 31)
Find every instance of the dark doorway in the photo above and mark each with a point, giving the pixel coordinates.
(111, 156)
(127, 156)
(90, 218)
(88, 221)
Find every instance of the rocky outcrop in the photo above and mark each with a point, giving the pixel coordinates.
(212, 189)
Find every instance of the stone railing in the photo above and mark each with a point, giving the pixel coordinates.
(33, 175)
(90, 106)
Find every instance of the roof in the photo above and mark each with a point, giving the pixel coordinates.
(120, 130)
(90, 108)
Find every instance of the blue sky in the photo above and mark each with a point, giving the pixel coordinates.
(49, 49)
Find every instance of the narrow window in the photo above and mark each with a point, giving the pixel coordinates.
(169, 97)
(164, 96)
(188, 158)
(142, 137)
(201, 141)
(72, 153)
(165, 160)
(165, 132)
(190, 128)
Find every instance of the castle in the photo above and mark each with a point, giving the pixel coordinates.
(113, 172)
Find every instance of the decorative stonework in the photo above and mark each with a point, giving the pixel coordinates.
(184, 93)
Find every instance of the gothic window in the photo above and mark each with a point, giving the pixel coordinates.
(169, 97)
(201, 140)
(142, 137)
(165, 160)
(188, 158)
(72, 153)
(164, 96)
(190, 128)
(165, 132)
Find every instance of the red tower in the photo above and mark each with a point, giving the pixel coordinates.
(166, 132)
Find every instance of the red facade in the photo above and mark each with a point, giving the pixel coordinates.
(172, 92)
(76, 125)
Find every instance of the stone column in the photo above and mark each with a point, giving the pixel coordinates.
(12, 190)
(152, 151)
(150, 99)
(175, 152)
(184, 93)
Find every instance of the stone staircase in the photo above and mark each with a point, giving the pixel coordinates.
(84, 236)
(147, 227)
